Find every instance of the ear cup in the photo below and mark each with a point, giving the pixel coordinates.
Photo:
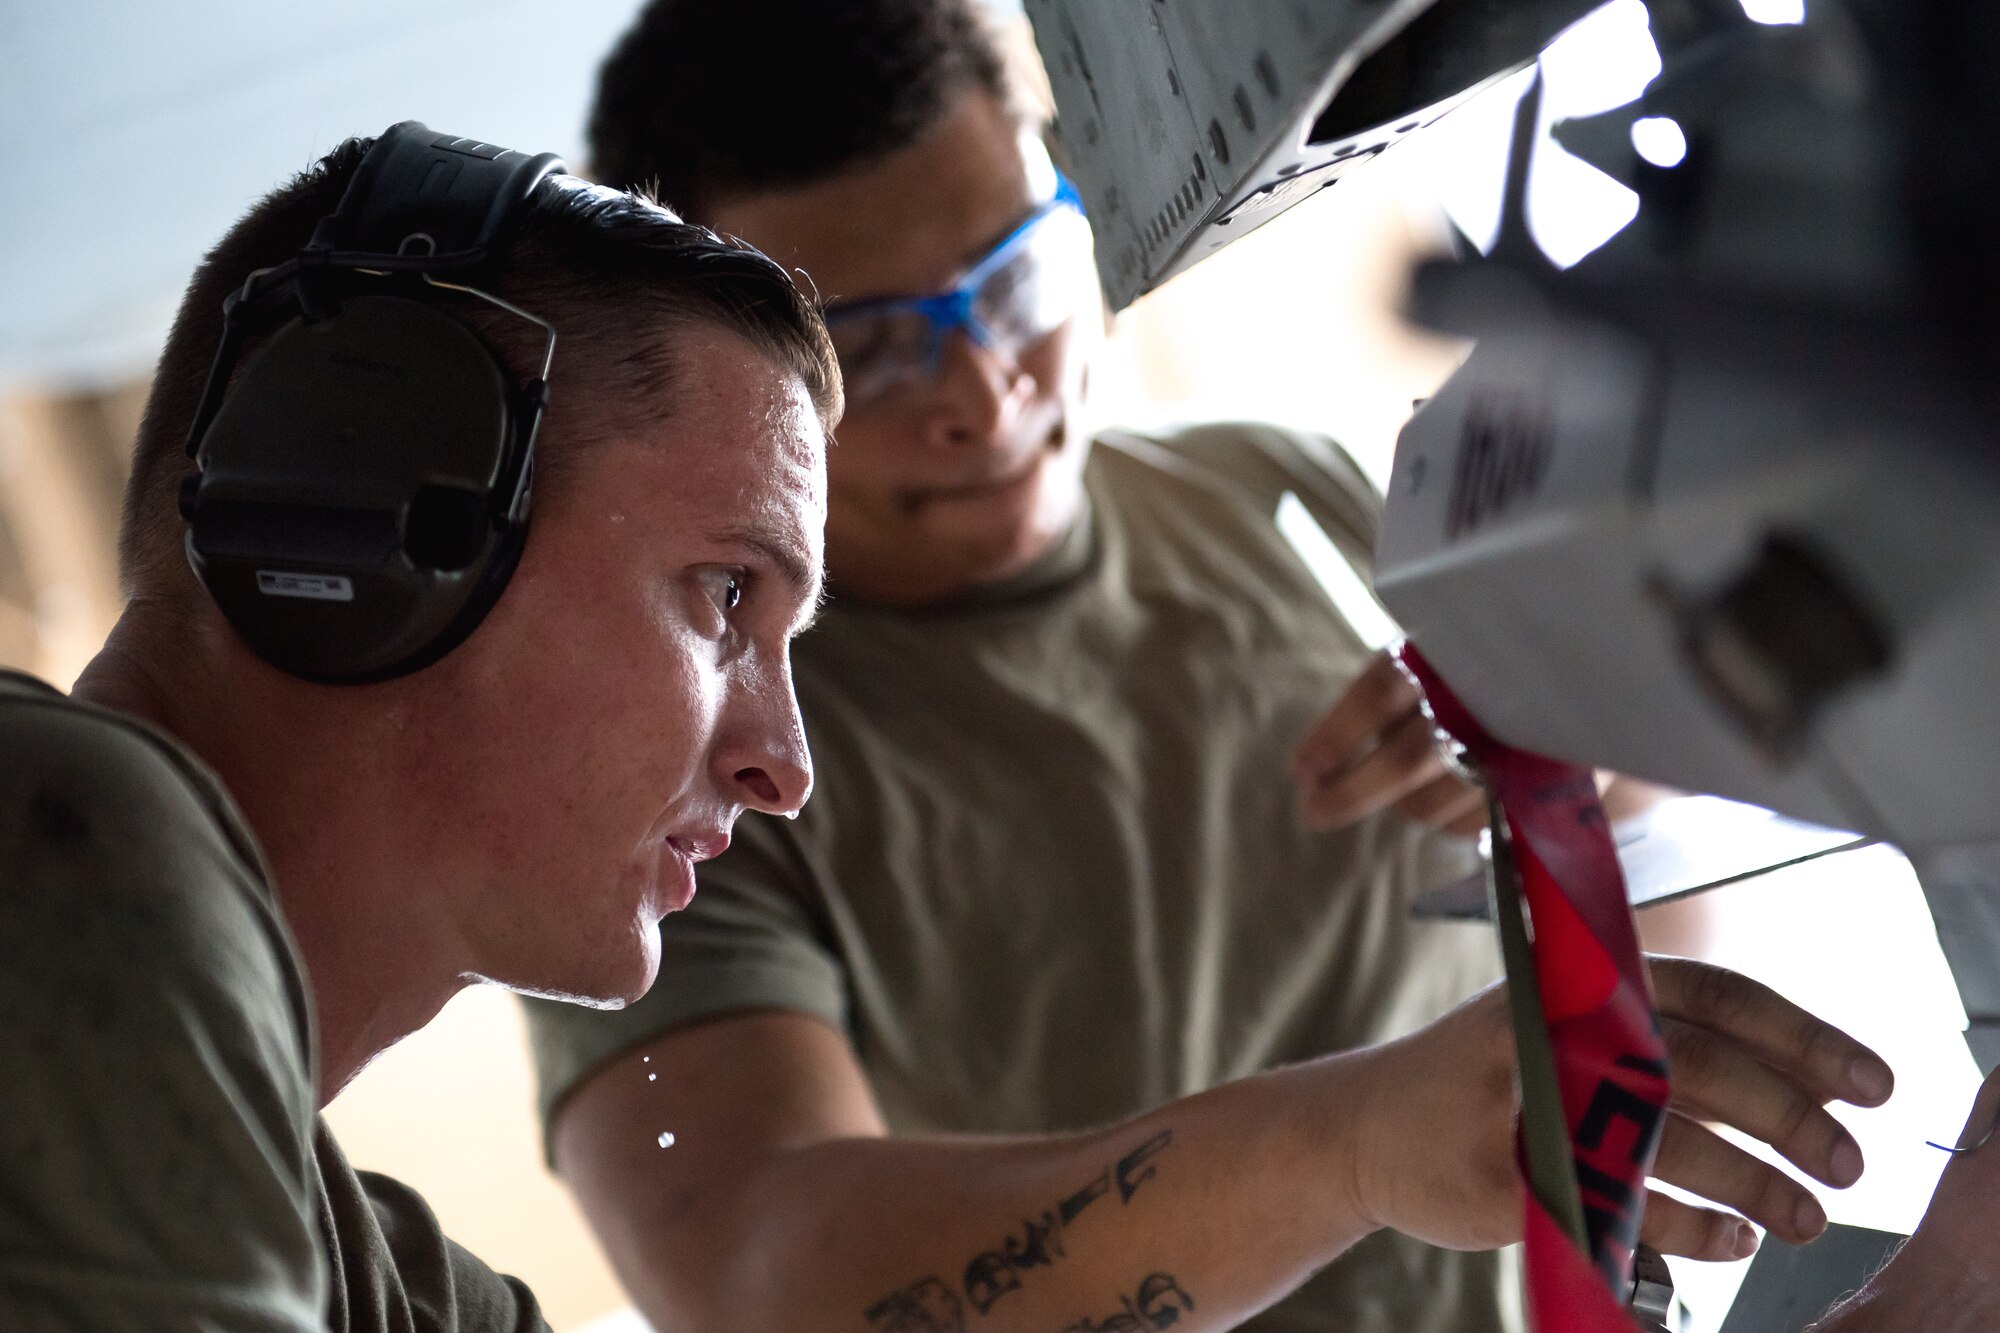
(352, 514)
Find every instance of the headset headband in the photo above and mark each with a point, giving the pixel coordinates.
(459, 196)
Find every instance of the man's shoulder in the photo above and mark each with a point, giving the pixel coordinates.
(157, 1048)
(1221, 448)
(125, 855)
(100, 784)
(58, 740)
(1251, 462)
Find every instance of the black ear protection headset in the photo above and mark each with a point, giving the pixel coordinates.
(363, 489)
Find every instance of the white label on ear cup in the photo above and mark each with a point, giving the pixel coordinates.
(319, 587)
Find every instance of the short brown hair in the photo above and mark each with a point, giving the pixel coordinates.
(616, 274)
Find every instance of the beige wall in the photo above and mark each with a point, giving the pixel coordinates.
(62, 468)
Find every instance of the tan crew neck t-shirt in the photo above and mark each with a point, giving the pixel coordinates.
(1051, 874)
(162, 1166)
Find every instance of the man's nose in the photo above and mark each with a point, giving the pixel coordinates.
(978, 394)
(767, 765)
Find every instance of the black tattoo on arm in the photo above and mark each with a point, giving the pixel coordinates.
(925, 1306)
(1159, 1303)
(1130, 1177)
(994, 1273)
(1083, 1198)
(929, 1306)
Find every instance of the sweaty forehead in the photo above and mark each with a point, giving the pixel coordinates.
(735, 420)
(907, 224)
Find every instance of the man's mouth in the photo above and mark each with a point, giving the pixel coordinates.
(700, 846)
(677, 862)
(1003, 480)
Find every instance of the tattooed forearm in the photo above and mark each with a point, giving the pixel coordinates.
(1159, 1303)
(929, 1306)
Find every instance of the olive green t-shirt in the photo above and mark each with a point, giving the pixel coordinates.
(1052, 874)
(162, 1165)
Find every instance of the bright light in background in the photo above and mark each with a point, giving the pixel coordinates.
(1605, 61)
(1660, 141)
(1775, 11)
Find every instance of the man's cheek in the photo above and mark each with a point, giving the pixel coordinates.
(684, 713)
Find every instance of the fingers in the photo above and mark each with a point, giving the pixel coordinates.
(1717, 1078)
(1699, 1160)
(1747, 1057)
(1673, 1227)
(1405, 762)
(1375, 750)
(1448, 803)
(1379, 697)
(1817, 1056)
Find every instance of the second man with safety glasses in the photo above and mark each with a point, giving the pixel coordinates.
(1103, 826)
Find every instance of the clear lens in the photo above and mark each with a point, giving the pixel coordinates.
(1042, 285)
(881, 349)
(1042, 277)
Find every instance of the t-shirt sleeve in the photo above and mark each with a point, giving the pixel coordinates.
(750, 940)
(155, 1109)
(1264, 461)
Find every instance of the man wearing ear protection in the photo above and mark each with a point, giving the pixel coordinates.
(472, 517)
(1025, 1023)
(473, 513)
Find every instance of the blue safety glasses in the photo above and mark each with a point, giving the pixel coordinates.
(1025, 288)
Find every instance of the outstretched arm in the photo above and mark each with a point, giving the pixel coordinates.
(782, 1202)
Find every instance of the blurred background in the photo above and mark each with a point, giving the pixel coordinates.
(135, 134)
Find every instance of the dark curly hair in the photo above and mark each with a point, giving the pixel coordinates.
(705, 99)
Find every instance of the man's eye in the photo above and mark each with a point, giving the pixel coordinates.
(721, 588)
(725, 586)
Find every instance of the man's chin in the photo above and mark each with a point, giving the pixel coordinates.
(603, 983)
(999, 550)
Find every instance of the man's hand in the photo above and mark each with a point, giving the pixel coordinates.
(1438, 1159)
(1374, 751)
